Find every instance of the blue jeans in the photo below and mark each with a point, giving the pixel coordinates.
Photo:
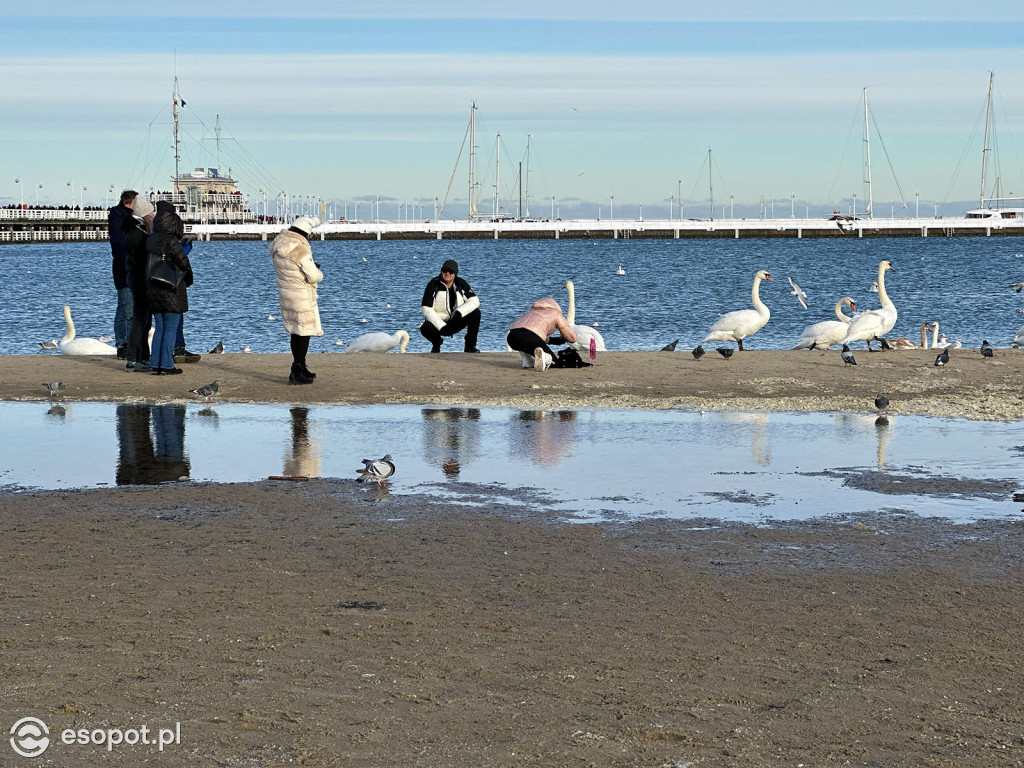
(179, 335)
(165, 327)
(122, 316)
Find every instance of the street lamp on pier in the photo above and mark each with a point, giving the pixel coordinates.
(917, 205)
(21, 188)
(730, 206)
(855, 205)
(792, 201)
(611, 206)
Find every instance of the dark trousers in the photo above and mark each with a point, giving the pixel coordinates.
(523, 340)
(470, 322)
(142, 321)
(300, 346)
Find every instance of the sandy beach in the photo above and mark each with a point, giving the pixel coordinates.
(324, 623)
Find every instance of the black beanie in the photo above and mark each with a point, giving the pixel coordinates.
(450, 266)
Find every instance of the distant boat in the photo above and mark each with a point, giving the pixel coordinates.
(994, 208)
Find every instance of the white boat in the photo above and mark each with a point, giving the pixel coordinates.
(995, 207)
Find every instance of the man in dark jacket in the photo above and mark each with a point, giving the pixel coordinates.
(449, 305)
(136, 229)
(167, 303)
(115, 231)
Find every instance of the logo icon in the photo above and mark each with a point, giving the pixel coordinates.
(30, 737)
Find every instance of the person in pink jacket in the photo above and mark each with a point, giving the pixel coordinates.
(528, 335)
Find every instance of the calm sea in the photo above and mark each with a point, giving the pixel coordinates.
(672, 289)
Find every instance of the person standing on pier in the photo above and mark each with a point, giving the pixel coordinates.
(115, 231)
(297, 278)
(449, 305)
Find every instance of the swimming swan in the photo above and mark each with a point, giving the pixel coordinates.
(584, 333)
(827, 333)
(620, 271)
(380, 342)
(72, 345)
(874, 324)
(736, 326)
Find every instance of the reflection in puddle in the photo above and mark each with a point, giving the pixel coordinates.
(588, 464)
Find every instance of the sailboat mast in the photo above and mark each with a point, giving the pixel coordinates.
(528, 137)
(867, 150)
(711, 185)
(177, 146)
(497, 176)
(984, 152)
(472, 162)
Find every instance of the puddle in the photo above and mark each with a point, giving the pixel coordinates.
(581, 465)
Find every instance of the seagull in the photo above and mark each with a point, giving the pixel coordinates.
(379, 469)
(847, 355)
(986, 349)
(218, 350)
(1017, 286)
(271, 317)
(364, 258)
(54, 387)
(48, 344)
(957, 344)
(725, 352)
(698, 352)
(942, 343)
(105, 339)
(246, 348)
(364, 320)
(874, 286)
(881, 403)
(800, 293)
(339, 343)
(207, 390)
(942, 358)
(670, 347)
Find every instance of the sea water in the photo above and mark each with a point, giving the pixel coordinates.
(672, 289)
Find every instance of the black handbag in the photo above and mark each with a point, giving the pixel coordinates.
(162, 272)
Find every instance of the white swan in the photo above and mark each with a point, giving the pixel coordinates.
(72, 345)
(828, 332)
(584, 333)
(620, 271)
(1018, 339)
(380, 342)
(872, 325)
(936, 341)
(736, 326)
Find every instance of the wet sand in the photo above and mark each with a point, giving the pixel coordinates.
(324, 623)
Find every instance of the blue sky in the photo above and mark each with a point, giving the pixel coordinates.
(349, 103)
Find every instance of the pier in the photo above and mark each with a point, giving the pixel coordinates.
(34, 226)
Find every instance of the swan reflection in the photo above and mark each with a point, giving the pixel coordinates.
(543, 437)
(760, 434)
(151, 444)
(451, 438)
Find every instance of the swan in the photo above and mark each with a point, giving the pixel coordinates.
(936, 341)
(380, 342)
(80, 345)
(874, 324)
(584, 333)
(620, 271)
(1018, 339)
(736, 326)
(827, 332)
(924, 335)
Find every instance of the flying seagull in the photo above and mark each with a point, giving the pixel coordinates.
(986, 349)
(942, 358)
(218, 350)
(379, 469)
(847, 355)
(54, 387)
(698, 352)
(670, 347)
(725, 352)
(207, 390)
(800, 293)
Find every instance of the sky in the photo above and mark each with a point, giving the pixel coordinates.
(620, 104)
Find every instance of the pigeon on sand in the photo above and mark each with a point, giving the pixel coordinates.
(376, 469)
(54, 387)
(207, 390)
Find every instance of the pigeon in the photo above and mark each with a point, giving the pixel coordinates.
(54, 387)
(1017, 286)
(986, 349)
(800, 293)
(698, 352)
(847, 355)
(48, 344)
(942, 358)
(218, 350)
(379, 469)
(725, 352)
(881, 403)
(670, 347)
(207, 390)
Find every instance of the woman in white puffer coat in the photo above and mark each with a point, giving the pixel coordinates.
(297, 278)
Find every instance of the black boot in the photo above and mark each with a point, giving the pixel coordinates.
(308, 372)
(298, 376)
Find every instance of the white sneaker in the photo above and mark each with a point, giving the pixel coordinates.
(548, 360)
(538, 360)
(527, 360)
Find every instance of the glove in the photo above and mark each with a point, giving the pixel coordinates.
(186, 246)
(447, 329)
(555, 341)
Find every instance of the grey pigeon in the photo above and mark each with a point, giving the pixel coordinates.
(54, 387)
(847, 355)
(376, 469)
(881, 402)
(986, 349)
(799, 292)
(207, 390)
(670, 347)
(698, 352)
(725, 352)
(218, 350)
(942, 358)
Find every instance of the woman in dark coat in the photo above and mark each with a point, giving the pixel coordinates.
(167, 303)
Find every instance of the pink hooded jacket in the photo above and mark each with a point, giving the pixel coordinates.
(543, 318)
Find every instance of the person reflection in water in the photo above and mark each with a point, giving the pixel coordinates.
(451, 438)
(151, 444)
(303, 458)
(544, 437)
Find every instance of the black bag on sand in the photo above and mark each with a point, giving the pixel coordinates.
(162, 272)
(569, 358)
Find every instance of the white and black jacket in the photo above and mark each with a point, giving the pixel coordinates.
(441, 302)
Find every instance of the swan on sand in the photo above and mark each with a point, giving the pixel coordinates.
(380, 342)
(80, 345)
(828, 332)
(872, 325)
(736, 326)
(584, 333)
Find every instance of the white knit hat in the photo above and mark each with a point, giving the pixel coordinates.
(306, 224)
(142, 207)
